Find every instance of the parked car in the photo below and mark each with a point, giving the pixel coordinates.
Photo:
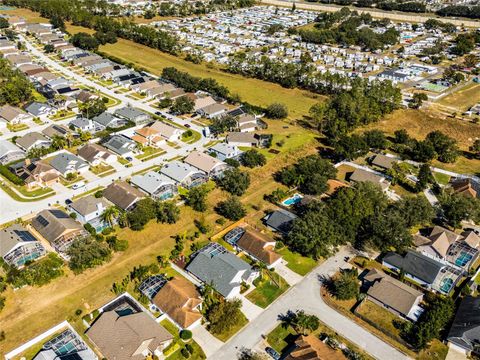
(273, 353)
(128, 158)
(158, 113)
(68, 201)
(187, 125)
(78, 185)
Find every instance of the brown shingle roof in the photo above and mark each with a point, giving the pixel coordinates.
(257, 245)
(178, 298)
(122, 194)
(311, 348)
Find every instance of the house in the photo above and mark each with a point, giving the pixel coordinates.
(184, 174)
(382, 161)
(96, 154)
(18, 246)
(58, 228)
(107, 120)
(181, 301)
(122, 194)
(466, 187)
(206, 163)
(156, 185)
(148, 137)
(67, 163)
(89, 209)
(212, 111)
(166, 131)
(214, 265)
(83, 124)
(464, 334)
(85, 96)
(33, 140)
(225, 151)
(40, 110)
(134, 336)
(280, 220)
(36, 173)
(247, 123)
(10, 152)
(14, 115)
(121, 145)
(360, 175)
(444, 245)
(260, 247)
(54, 130)
(242, 139)
(66, 345)
(312, 348)
(134, 115)
(395, 296)
(423, 270)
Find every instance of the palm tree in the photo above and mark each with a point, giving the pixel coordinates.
(304, 323)
(58, 142)
(110, 214)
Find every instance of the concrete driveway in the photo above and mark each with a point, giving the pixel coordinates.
(209, 343)
(290, 276)
(250, 310)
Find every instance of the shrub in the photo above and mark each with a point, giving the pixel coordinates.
(185, 353)
(78, 312)
(185, 334)
(10, 176)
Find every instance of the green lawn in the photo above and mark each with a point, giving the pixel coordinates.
(102, 170)
(228, 334)
(193, 138)
(281, 337)
(178, 344)
(266, 290)
(17, 127)
(442, 179)
(150, 153)
(93, 191)
(296, 262)
(380, 316)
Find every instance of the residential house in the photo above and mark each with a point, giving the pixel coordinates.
(122, 194)
(85, 96)
(181, 301)
(58, 228)
(108, 120)
(312, 348)
(166, 131)
(67, 163)
(121, 145)
(382, 161)
(10, 152)
(83, 124)
(206, 163)
(201, 102)
(242, 139)
(89, 209)
(214, 265)
(280, 220)
(423, 270)
(18, 246)
(360, 175)
(148, 137)
(33, 140)
(156, 185)
(212, 111)
(136, 116)
(40, 110)
(14, 115)
(36, 173)
(225, 151)
(395, 296)
(260, 247)
(96, 154)
(54, 130)
(446, 246)
(183, 174)
(464, 334)
(247, 123)
(466, 187)
(132, 336)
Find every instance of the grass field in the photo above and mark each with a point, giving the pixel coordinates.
(464, 98)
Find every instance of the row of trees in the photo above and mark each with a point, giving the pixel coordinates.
(397, 5)
(92, 42)
(468, 11)
(15, 89)
(99, 15)
(197, 8)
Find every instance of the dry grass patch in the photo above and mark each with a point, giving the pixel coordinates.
(464, 98)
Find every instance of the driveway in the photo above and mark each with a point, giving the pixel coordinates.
(209, 343)
(306, 295)
(250, 310)
(290, 276)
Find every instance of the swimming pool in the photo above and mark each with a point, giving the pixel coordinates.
(292, 200)
(463, 259)
(446, 285)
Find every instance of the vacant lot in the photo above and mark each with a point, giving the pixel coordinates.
(464, 98)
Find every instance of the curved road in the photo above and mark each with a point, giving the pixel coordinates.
(395, 16)
(306, 295)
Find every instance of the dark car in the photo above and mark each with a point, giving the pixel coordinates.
(187, 125)
(158, 113)
(68, 201)
(128, 158)
(273, 353)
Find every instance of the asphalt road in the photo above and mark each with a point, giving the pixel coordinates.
(306, 295)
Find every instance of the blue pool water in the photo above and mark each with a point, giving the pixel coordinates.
(463, 259)
(446, 285)
(295, 199)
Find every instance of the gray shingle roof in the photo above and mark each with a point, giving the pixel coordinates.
(63, 161)
(465, 330)
(151, 181)
(280, 220)
(178, 171)
(416, 264)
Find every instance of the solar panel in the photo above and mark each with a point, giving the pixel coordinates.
(59, 214)
(42, 220)
(25, 235)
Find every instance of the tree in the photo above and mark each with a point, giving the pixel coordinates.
(235, 181)
(423, 151)
(49, 48)
(224, 315)
(85, 253)
(470, 60)
(182, 105)
(277, 111)
(167, 212)
(196, 198)
(4, 24)
(93, 108)
(417, 100)
(304, 323)
(252, 158)
(416, 210)
(445, 146)
(110, 215)
(57, 22)
(475, 148)
(84, 41)
(398, 172)
(375, 139)
(144, 211)
(231, 209)
(401, 137)
(345, 285)
(425, 177)
(457, 208)
(351, 147)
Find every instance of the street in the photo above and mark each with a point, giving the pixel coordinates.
(306, 296)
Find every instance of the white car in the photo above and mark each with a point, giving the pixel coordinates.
(78, 185)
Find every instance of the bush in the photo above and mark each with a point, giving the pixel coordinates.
(185, 353)
(78, 312)
(231, 209)
(10, 176)
(276, 111)
(185, 334)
